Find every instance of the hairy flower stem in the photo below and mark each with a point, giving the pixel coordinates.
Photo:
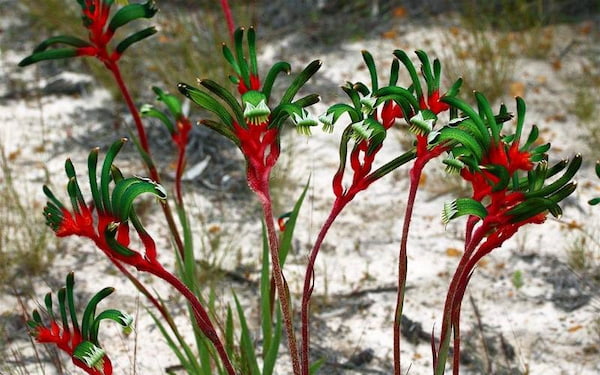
(228, 17)
(415, 177)
(338, 206)
(153, 300)
(200, 315)
(280, 283)
(145, 150)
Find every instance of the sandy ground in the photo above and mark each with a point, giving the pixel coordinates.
(527, 330)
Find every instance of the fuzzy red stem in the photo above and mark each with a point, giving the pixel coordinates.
(415, 176)
(228, 17)
(178, 176)
(470, 247)
(280, 283)
(338, 206)
(200, 314)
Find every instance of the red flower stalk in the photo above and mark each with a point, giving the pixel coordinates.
(101, 30)
(110, 229)
(492, 164)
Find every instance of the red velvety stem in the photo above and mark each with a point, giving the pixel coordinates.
(424, 156)
(200, 315)
(338, 206)
(114, 69)
(228, 17)
(280, 283)
(415, 176)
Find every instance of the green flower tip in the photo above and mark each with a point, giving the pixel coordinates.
(327, 120)
(422, 123)
(453, 165)
(361, 131)
(256, 110)
(449, 211)
(90, 354)
(304, 122)
(368, 104)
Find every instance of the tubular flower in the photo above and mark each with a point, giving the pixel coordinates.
(101, 30)
(79, 340)
(253, 122)
(510, 189)
(109, 229)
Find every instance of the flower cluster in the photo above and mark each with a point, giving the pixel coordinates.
(254, 124)
(109, 229)
(79, 340)
(510, 190)
(101, 30)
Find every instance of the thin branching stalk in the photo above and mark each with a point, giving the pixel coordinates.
(145, 151)
(309, 280)
(200, 315)
(228, 17)
(280, 283)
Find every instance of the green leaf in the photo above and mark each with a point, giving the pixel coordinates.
(132, 12)
(454, 135)
(231, 60)
(270, 357)
(92, 165)
(62, 297)
(62, 39)
(463, 106)
(484, 106)
(105, 173)
(247, 344)
(403, 57)
(207, 102)
(560, 182)
(302, 78)
(183, 361)
(90, 311)
(252, 51)
(238, 37)
(265, 292)
(394, 72)
(222, 129)
(399, 93)
(70, 283)
(148, 110)
(316, 365)
(171, 101)
(227, 97)
(134, 38)
(462, 206)
(276, 69)
(594, 201)
(127, 190)
(288, 233)
(229, 341)
(116, 316)
(372, 69)
(53, 54)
